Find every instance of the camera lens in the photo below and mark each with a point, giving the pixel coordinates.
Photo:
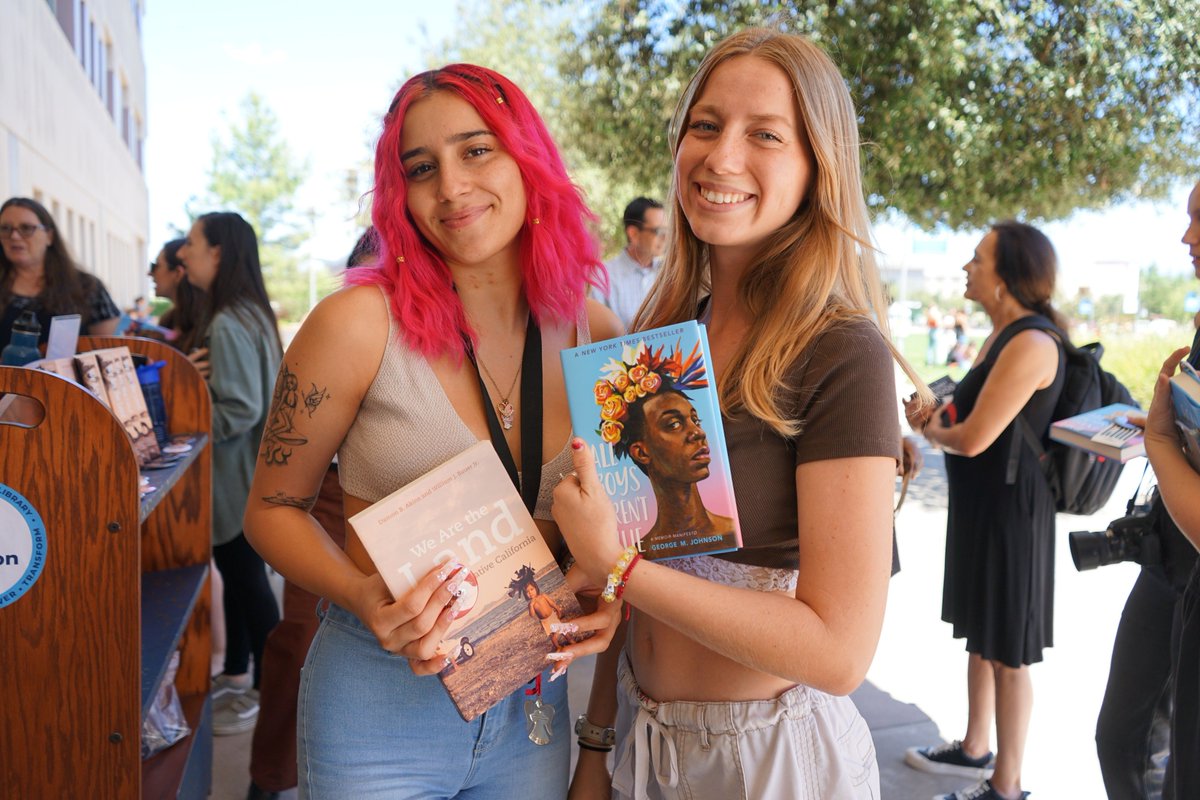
(1090, 549)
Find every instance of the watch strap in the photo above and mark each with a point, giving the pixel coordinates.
(587, 730)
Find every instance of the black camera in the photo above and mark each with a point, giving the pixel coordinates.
(1130, 538)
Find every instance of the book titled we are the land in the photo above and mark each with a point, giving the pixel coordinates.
(468, 511)
(1105, 431)
(647, 405)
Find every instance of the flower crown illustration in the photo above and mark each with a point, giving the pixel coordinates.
(642, 373)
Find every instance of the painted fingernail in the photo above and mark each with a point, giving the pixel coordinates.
(576, 444)
(458, 604)
(559, 656)
(448, 569)
(452, 588)
(564, 627)
(559, 671)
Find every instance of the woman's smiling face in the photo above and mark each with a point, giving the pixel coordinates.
(465, 192)
(744, 165)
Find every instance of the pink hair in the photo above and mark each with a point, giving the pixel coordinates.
(559, 255)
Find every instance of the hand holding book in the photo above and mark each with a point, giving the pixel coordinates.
(1160, 419)
(586, 518)
(413, 625)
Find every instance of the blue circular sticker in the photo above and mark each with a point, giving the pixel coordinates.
(22, 545)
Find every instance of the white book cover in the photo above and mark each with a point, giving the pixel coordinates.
(467, 510)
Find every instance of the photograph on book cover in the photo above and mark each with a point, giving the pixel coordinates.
(645, 404)
(468, 512)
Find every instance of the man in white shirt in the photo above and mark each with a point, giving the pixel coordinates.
(631, 271)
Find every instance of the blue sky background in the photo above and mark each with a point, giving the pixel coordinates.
(328, 70)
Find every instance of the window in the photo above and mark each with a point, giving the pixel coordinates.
(110, 85)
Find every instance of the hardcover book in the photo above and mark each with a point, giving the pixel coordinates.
(1105, 431)
(1185, 397)
(468, 511)
(646, 404)
(127, 401)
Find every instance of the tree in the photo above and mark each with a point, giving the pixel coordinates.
(254, 173)
(524, 41)
(970, 111)
(1165, 295)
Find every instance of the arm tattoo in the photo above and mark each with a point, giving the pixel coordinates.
(282, 499)
(280, 437)
(314, 398)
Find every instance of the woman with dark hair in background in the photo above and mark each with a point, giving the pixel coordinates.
(484, 261)
(37, 272)
(187, 301)
(999, 574)
(242, 339)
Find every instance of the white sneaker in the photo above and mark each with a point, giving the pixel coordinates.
(235, 712)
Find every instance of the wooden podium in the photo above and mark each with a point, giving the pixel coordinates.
(125, 583)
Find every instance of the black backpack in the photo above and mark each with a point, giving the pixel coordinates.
(1081, 481)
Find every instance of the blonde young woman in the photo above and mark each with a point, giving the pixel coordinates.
(733, 677)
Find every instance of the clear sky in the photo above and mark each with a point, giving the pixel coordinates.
(328, 70)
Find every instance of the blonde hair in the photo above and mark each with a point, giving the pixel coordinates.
(817, 271)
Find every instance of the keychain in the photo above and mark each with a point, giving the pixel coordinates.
(539, 714)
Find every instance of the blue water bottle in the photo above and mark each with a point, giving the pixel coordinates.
(23, 346)
(151, 383)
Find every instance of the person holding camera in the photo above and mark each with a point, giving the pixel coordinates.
(1133, 732)
(999, 580)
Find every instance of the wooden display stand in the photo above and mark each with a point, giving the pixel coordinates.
(125, 583)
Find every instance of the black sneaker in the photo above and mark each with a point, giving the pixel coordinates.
(949, 759)
(980, 791)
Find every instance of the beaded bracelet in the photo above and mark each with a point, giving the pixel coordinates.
(625, 576)
(617, 573)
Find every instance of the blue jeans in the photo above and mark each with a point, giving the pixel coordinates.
(369, 728)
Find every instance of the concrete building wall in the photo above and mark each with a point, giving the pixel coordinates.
(72, 128)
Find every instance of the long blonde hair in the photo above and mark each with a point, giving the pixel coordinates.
(817, 271)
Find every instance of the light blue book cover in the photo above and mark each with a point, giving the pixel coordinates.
(647, 405)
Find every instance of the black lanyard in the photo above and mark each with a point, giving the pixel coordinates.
(531, 417)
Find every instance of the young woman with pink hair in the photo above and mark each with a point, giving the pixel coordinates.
(484, 262)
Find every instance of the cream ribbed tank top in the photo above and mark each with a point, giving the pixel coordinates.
(406, 426)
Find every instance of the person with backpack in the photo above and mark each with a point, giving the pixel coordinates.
(999, 575)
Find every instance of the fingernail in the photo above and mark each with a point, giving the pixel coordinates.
(448, 569)
(458, 604)
(559, 656)
(558, 672)
(452, 588)
(446, 662)
(564, 627)
(576, 444)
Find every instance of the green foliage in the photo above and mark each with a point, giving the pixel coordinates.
(972, 111)
(1163, 295)
(254, 173)
(524, 41)
(1136, 360)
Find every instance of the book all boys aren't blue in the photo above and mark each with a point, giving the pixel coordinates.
(647, 405)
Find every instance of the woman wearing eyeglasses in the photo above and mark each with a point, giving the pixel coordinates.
(37, 272)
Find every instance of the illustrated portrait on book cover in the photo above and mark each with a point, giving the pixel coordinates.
(647, 417)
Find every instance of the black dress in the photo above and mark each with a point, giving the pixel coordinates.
(998, 591)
